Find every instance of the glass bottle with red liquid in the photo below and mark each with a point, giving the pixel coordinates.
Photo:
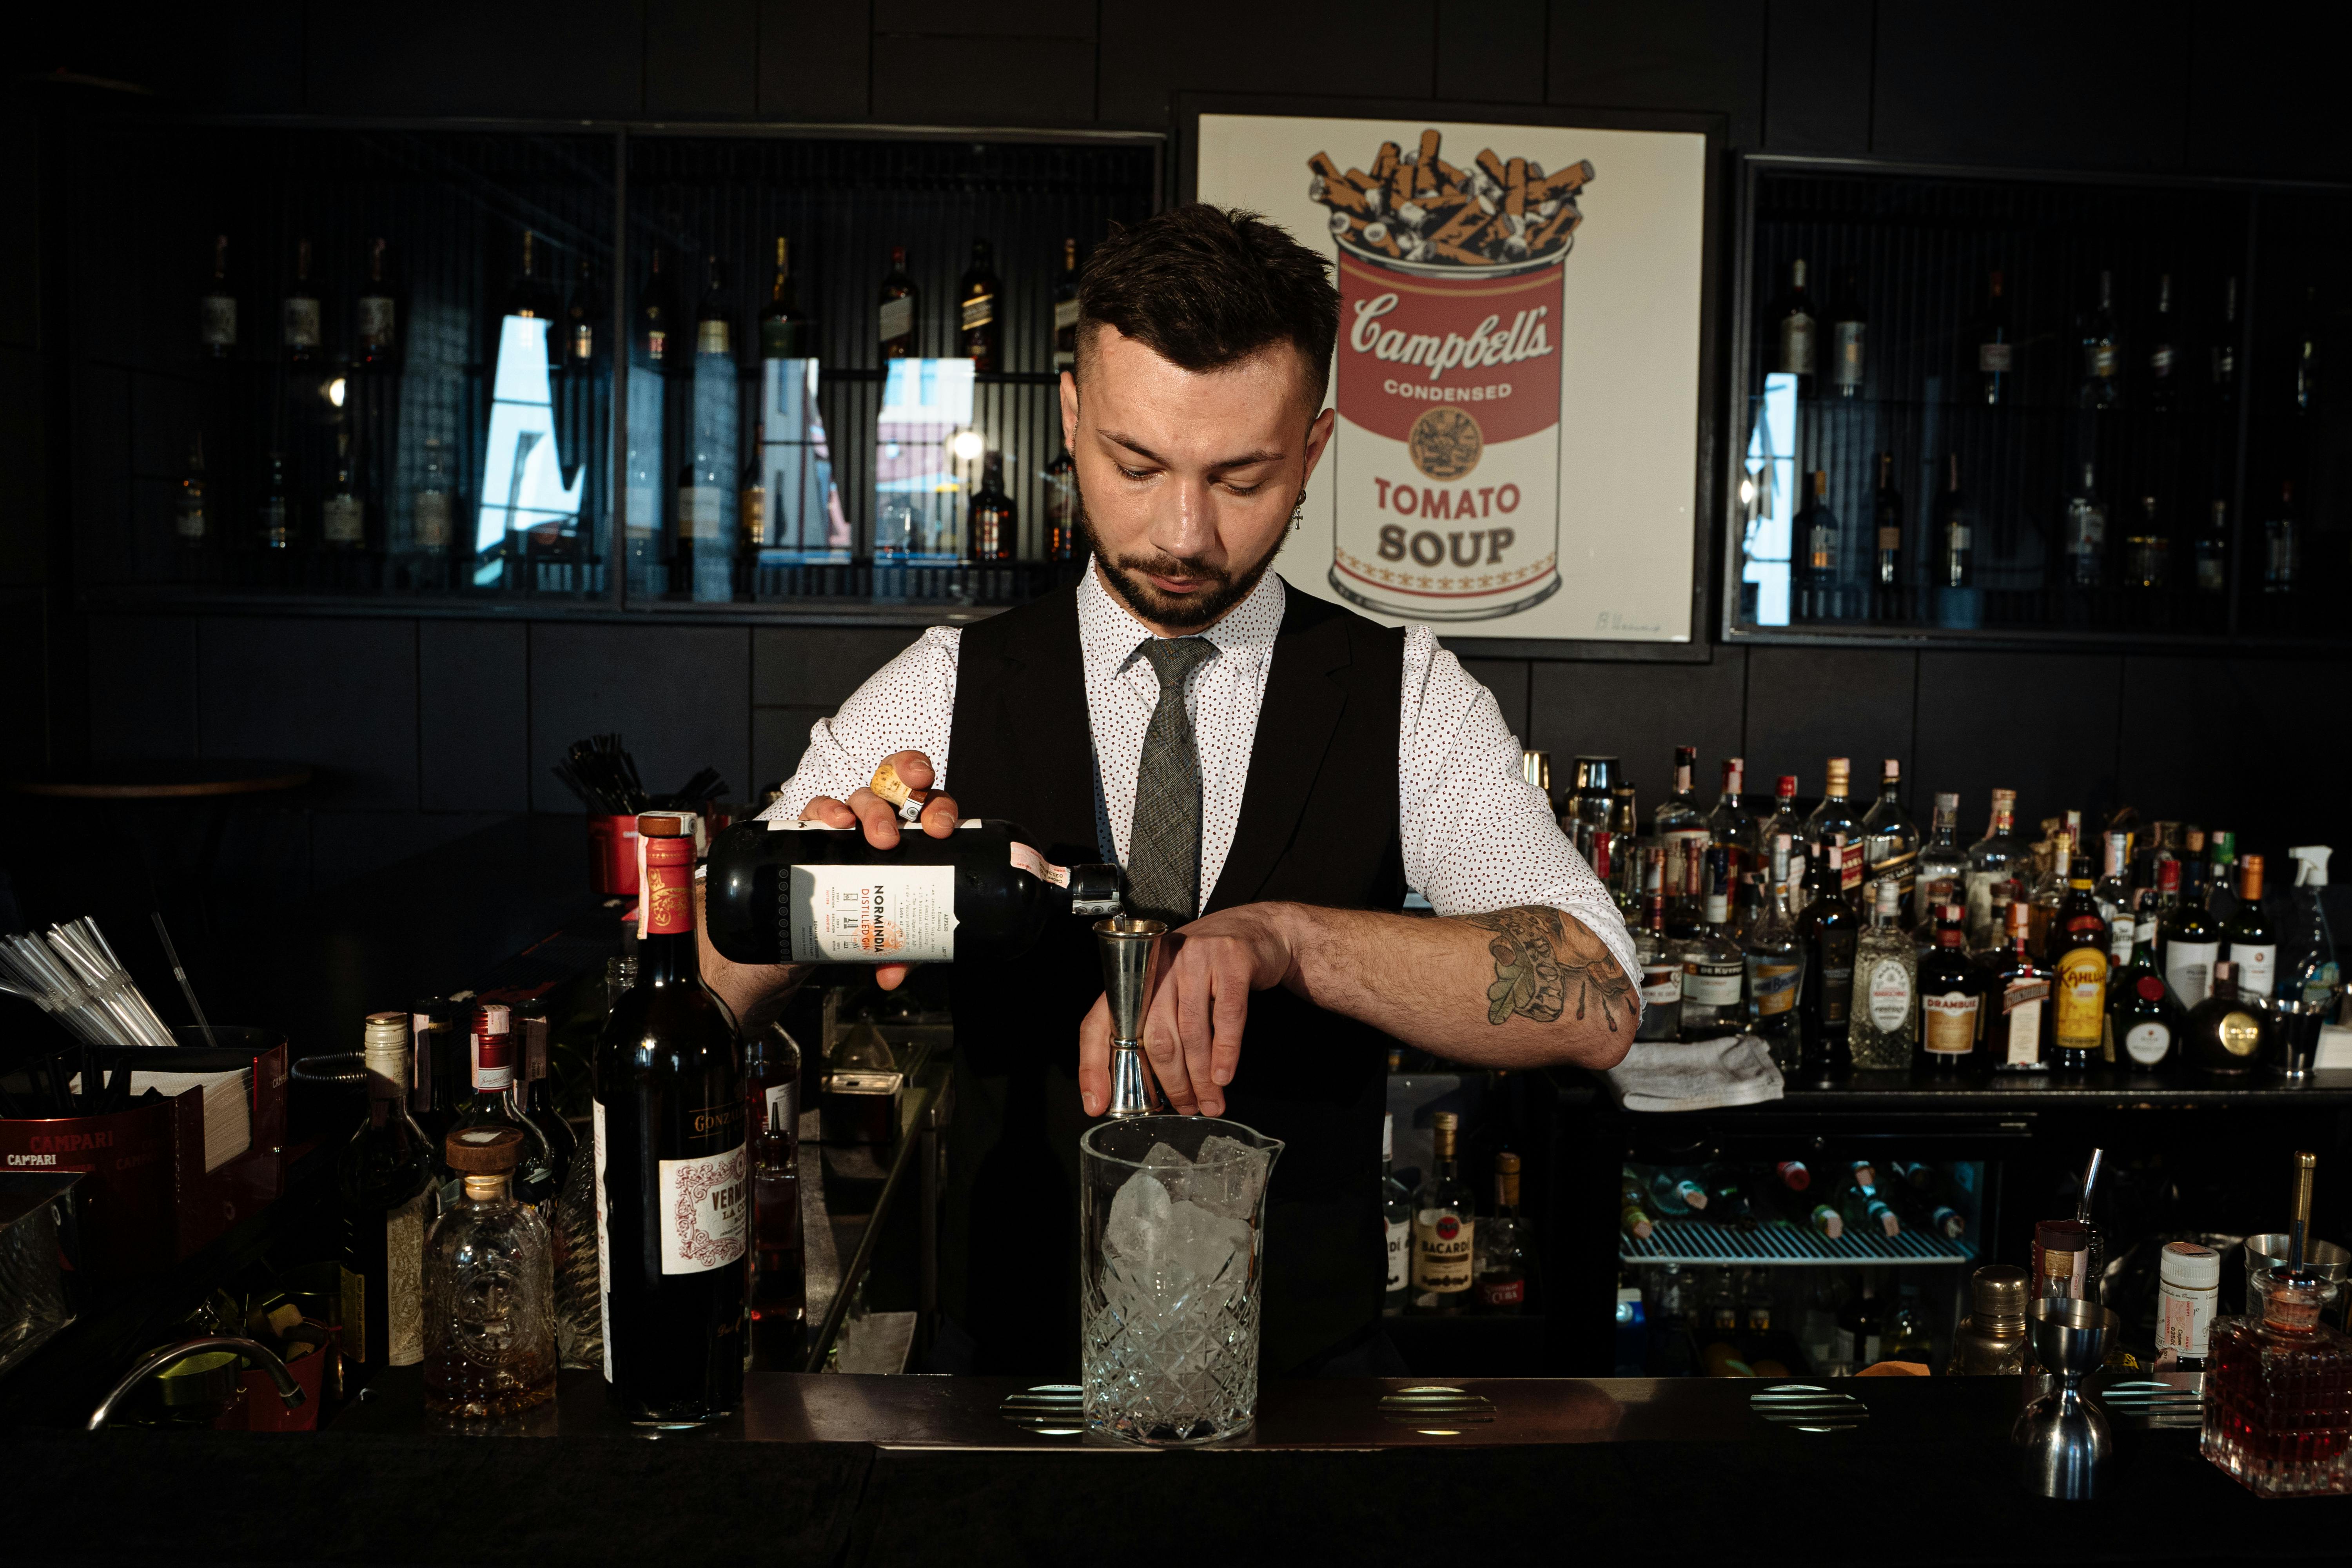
(771, 1081)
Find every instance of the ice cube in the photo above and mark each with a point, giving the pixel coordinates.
(1139, 1212)
(1167, 1154)
(1227, 1179)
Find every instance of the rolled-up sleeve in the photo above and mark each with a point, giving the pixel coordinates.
(907, 705)
(1478, 837)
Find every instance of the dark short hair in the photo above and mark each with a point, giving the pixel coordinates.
(1206, 288)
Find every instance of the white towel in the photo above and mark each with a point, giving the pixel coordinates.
(1695, 1075)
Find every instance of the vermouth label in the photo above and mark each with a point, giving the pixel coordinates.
(703, 1212)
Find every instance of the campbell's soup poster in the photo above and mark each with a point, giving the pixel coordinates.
(1517, 376)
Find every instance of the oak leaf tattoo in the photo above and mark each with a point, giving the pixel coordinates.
(1538, 960)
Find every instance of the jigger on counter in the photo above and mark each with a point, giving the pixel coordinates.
(1130, 964)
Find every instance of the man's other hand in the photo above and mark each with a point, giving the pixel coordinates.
(865, 809)
(1193, 1031)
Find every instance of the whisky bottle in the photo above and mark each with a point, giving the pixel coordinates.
(342, 516)
(2075, 948)
(1798, 334)
(299, 316)
(993, 526)
(1731, 827)
(2227, 1033)
(1066, 310)
(1827, 928)
(383, 1184)
(216, 310)
(489, 1287)
(1884, 1013)
(1835, 819)
(1890, 839)
(1443, 1229)
(1061, 476)
(375, 335)
(793, 893)
(896, 322)
(979, 311)
(783, 330)
(2020, 988)
(1679, 828)
(2101, 352)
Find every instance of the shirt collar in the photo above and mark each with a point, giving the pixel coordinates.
(1109, 635)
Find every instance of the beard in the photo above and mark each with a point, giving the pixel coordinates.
(1204, 606)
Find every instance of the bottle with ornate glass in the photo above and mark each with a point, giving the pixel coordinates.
(2278, 1393)
(1883, 1023)
(489, 1320)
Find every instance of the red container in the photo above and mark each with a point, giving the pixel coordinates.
(612, 855)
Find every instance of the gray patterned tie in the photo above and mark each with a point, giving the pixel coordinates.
(1163, 858)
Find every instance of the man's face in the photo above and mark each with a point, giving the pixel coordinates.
(1187, 479)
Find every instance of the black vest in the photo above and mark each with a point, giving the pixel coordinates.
(1318, 826)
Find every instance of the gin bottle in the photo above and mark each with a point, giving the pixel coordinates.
(1941, 859)
(1712, 964)
(1885, 1016)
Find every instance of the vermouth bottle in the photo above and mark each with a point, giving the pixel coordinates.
(383, 1181)
(793, 893)
(673, 1202)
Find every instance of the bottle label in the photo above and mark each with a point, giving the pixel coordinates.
(1849, 872)
(2257, 968)
(702, 1212)
(1501, 1294)
(656, 342)
(2189, 965)
(1712, 982)
(583, 341)
(430, 517)
(2240, 1033)
(1981, 885)
(2082, 997)
(1846, 344)
(2148, 1042)
(493, 1063)
(1718, 909)
(1797, 344)
(217, 326)
(375, 321)
(897, 318)
(1440, 1250)
(712, 338)
(2184, 1318)
(2020, 1007)
(300, 319)
(1773, 985)
(189, 521)
(603, 1242)
(1065, 315)
(1837, 991)
(1400, 1255)
(977, 311)
(342, 520)
(698, 511)
(2100, 361)
(1951, 1023)
(1996, 359)
(868, 914)
(780, 1113)
(2159, 362)
(1660, 986)
(1888, 996)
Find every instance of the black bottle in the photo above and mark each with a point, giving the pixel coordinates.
(1826, 928)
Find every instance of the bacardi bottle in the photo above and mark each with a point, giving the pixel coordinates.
(1444, 1229)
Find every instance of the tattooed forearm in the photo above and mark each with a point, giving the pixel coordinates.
(1541, 958)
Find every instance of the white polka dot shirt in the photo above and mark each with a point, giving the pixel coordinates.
(1476, 836)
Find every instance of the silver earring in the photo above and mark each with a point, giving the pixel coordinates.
(1298, 512)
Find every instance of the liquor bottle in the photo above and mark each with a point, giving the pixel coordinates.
(300, 317)
(2226, 1032)
(2247, 937)
(1631, 1219)
(1887, 519)
(436, 1068)
(1731, 827)
(1713, 965)
(1066, 310)
(2307, 352)
(771, 1098)
(1859, 1327)
(1396, 1220)
(1951, 997)
(1996, 353)
(1941, 859)
(713, 321)
(1793, 1174)
(669, 1151)
(1662, 976)
(2101, 352)
(1798, 334)
(432, 513)
(529, 297)
(1994, 858)
(795, 892)
(2221, 877)
(897, 323)
(1884, 1013)
(342, 517)
(1625, 862)
(2050, 891)
(2014, 1036)
(1817, 526)
(2224, 366)
(784, 332)
(980, 300)
(275, 525)
(1834, 820)
(1956, 550)
(1827, 927)
(701, 507)
(1679, 828)
(485, 1096)
(656, 319)
(1728, 1200)
(2187, 938)
(2147, 550)
(1783, 819)
(2281, 558)
(2143, 1020)
(2114, 889)
(2163, 353)
(2210, 552)
(2075, 948)
(751, 495)
(384, 1181)
(217, 312)
(581, 312)
(1890, 839)
(2278, 1392)
(547, 1160)
(489, 1287)
(994, 528)
(1501, 1285)
(375, 335)
(2307, 966)
(1776, 966)
(2086, 534)
(2188, 1287)
(190, 527)
(1061, 476)
(1444, 1230)
(1866, 1209)
(1849, 336)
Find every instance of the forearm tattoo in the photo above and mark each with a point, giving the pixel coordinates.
(1541, 958)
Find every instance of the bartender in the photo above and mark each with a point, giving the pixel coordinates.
(1272, 772)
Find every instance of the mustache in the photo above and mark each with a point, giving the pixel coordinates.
(1176, 571)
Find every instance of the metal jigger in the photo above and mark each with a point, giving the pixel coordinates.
(2064, 1438)
(1130, 964)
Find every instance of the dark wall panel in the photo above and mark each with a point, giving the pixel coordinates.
(473, 715)
(1807, 705)
(1364, 48)
(1975, 734)
(813, 59)
(340, 695)
(347, 845)
(2023, 81)
(779, 736)
(818, 666)
(454, 57)
(1639, 714)
(2258, 108)
(143, 686)
(2274, 789)
(680, 696)
(1491, 52)
(988, 19)
(702, 58)
(1817, 73)
(1705, 55)
(983, 81)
